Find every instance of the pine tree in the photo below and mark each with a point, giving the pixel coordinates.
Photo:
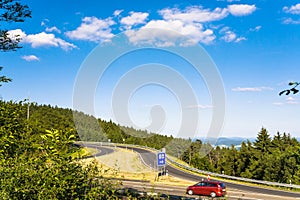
(263, 141)
(244, 157)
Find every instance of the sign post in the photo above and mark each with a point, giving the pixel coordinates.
(161, 159)
(161, 162)
(208, 177)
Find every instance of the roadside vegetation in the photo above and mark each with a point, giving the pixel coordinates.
(39, 164)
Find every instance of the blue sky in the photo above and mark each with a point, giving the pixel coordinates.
(254, 44)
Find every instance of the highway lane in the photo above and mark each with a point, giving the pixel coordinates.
(178, 192)
(150, 157)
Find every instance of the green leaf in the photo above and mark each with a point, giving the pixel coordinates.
(71, 137)
(292, 83)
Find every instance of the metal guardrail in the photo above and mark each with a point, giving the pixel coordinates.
(234, 177)
(203, 171)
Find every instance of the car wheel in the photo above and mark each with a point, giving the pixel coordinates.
(190, 192)
(213, 194)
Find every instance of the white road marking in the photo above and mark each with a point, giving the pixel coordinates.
(253, 194)
(151, 187)
(239, 197)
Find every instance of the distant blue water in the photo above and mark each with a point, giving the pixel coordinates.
(226, 141)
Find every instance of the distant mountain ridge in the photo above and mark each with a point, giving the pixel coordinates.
(226, 141)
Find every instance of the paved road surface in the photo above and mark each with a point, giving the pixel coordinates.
(178, 192)
(235, 191)
(101, 150)
(150, 157)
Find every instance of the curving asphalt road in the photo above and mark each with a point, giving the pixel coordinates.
(101, 150)
(150, 157)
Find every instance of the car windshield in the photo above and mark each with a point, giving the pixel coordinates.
(222, 185)
(201, 184)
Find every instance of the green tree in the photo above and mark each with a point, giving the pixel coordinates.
(262, 142)
(11, 11)
(4, 79)
(229, 161)
(13, 128)
(261, 152)
(273, 166)
(277, 142)
(244, 158)
(294, 89)
(197, 156)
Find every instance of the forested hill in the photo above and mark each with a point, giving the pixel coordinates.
(47, 117)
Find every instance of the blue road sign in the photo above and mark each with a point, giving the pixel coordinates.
(161, 159)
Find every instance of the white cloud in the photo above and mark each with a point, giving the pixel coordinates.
(169, 33)
(230, 36)
(41, 39)
(278, 103)
(93, 29)
(246, 89)
(117, 12)
(251, 89)
(239, 39)
(295, 9)
(201, 106)
(30, 58)
(241, 9)
(194, 14)
(43, 23)
(185, 26)
(48, 39)
(255, 29)
(135, 18)
(293, 102)
(17, 33)
(53, 29)
(290, 21)
(290, 99)
(178, 27)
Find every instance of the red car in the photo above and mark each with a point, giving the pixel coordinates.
(207, 188)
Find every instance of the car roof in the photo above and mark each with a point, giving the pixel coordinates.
(211, 181)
